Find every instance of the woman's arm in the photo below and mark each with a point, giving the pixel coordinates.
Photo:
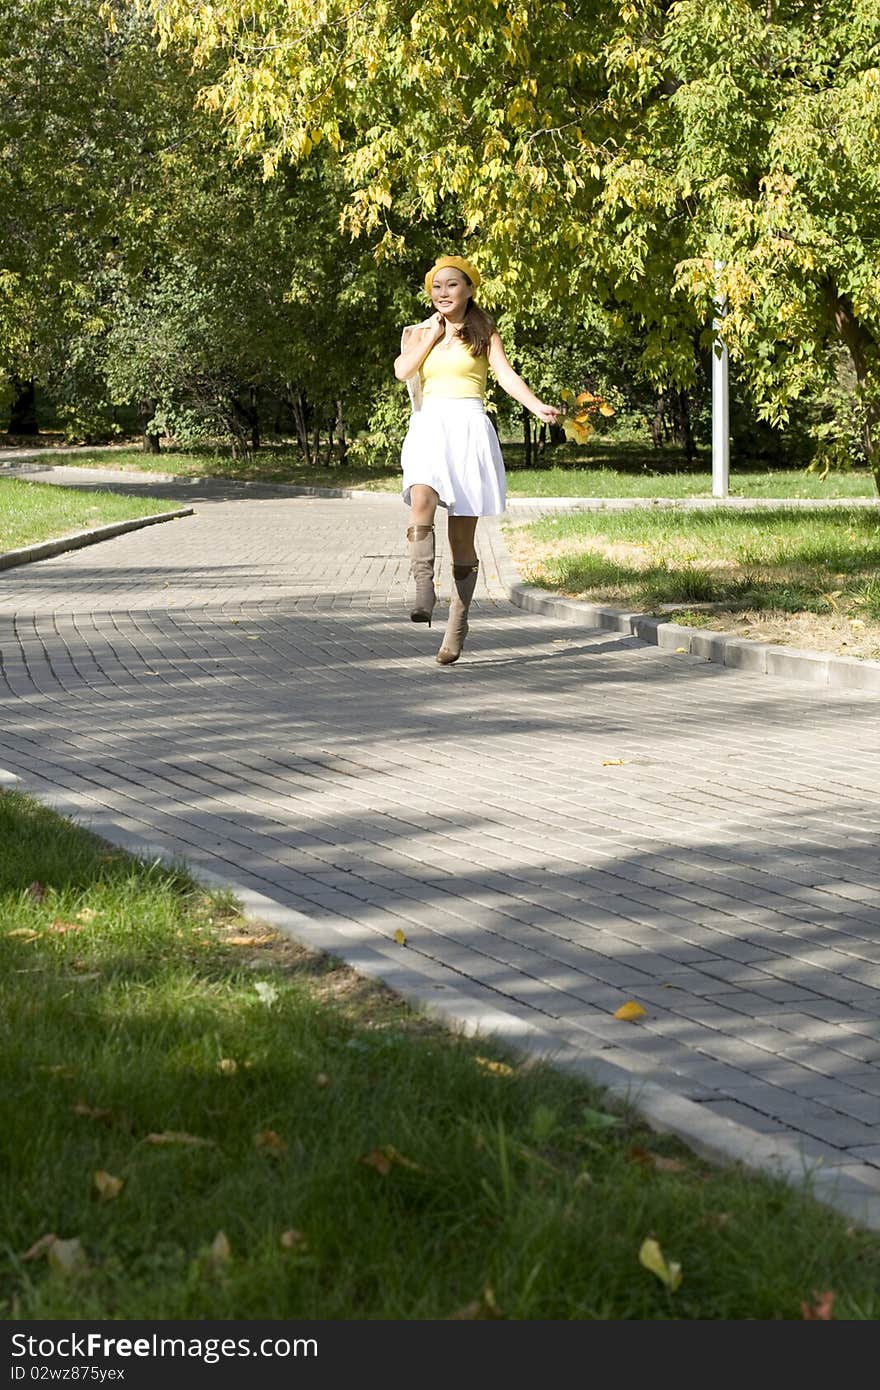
(421, 339)
(511, 382)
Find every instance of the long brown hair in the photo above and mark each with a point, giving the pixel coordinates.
(477, 327)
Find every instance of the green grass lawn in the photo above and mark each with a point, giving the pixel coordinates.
(819, 562)
(205, 1121)
(32, 512)
(600, 470)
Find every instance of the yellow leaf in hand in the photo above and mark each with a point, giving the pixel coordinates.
(107, 1186)
(630, 1011)
(652, 1257)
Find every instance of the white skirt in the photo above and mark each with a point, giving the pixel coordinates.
(451, 446)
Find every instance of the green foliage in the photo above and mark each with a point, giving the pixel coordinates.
(736, 134)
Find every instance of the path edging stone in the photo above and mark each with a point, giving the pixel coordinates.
(725, 649)
(44, 550)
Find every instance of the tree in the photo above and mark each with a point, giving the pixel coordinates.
(608, 156)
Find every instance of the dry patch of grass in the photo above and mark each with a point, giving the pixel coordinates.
(802, 582)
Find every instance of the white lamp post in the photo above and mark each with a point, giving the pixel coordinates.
(720, 403)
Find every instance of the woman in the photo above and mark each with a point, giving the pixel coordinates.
(451, 456)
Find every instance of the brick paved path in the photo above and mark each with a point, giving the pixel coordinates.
(563, 821)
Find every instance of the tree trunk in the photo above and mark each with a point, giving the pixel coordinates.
(23, 411)
(527, 437)
(657, 421)
(340, 433)
(298, 410)
(255, 419)
(151, 443)
(862, 347)
(684, 434)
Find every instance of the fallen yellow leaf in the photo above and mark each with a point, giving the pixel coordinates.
(497, 1068)
(86, 914)
(630, 1011)
(385, 1158)
(220, 1251)
(227, 1065)
(67, 1257)
(107, 1186)
(653, 1259)
(60, 927)
(91, 1112)
(268, 1142)
(823, 1308)
(613, 762)
(40, 1246)
(292, 1240)
(400, 936)
(659, 1162)
(27, 933)
(479, 1309)
(177, 1136)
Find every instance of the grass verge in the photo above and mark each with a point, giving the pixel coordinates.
(601, 470)
(783, 575)
(214, 1123)
(33, 512)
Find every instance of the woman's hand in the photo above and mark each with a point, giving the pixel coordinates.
(434, 325)
(548, 413)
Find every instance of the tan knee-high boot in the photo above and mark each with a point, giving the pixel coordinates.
(464, 581)
(421, 549)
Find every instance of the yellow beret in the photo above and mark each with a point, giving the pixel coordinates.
(458, 263)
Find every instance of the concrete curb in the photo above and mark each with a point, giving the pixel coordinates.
(44, 550)
(739, 653)
(852, 1189)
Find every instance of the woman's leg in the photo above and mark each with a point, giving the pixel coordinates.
(423, 504)
(461, 531)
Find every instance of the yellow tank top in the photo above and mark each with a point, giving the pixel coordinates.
(452, 371)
